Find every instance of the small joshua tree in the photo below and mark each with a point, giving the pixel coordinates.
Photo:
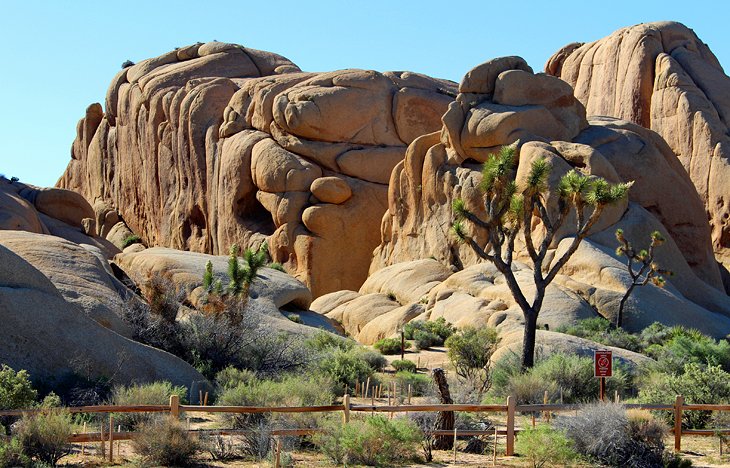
(242, 276)
(511, 210)
(645, 270)
(208, 277)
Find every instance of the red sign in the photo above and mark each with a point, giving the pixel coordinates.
(603, 364)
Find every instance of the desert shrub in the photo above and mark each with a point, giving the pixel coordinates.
(51, 401)
(323, 341)
(344, 368)
(131, 239)
(543, 445)
(16, 390)
(296, 318)
(403, 365)
(220, 448)
(569, 376)
(698, 384)
(231, 377)
(420, 384)
(156, 393)
(439, 327)
(276, 266)
(603, 432)
(685, 346)
(44, 436)
(166, 443)
(288, 391)
(470, 352)
(376, 361)
(374, 441)
(390, 345)
(425, 339)
(11, 454)
(600, 330)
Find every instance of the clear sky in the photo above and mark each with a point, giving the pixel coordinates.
(59, 56)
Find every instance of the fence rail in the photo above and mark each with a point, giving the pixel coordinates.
(510, 408)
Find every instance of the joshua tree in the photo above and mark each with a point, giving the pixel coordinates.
(511, 209)
(234, 297)
(647, 271)
(242, 277)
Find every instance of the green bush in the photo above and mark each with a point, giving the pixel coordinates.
(439, 327)
(374, 441)
(470, 352)
(16, 391)
(420, 384)
(697, 383)
(543, 445)
(11, 454)
(600, 330)
(166, 443)
(376, 361)
(156, 393)
(324, 341)
(44, 436)
(390, 345)
(131, 239)
(296, 318)
(231, 377)
(426, 339)
(568, 375)
(683, 346)
(403, 365)
(344, 368)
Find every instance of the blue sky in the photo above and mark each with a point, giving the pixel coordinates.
(58, 57)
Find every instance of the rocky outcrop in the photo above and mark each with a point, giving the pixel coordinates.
(273, 294)
(663, 77)
(496, 106)
(215, 143)
(53, 339)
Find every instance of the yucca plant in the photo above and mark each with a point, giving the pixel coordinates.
(645, 270)
(511, 210)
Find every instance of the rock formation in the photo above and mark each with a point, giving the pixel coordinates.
(215, 143)
(502, 102)
(663, 77)
(59, 299)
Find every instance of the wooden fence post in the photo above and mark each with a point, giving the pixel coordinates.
(510, 450)
(346, 412)
(111, 438)
(678, 403)
(175, 406)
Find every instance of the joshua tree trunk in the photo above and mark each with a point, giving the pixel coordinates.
(528, 340)
(445, 419)
(620, 317)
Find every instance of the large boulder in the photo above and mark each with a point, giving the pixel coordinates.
(226, 144)
(663, 77)
(54, 340)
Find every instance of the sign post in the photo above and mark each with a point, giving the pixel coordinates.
(602, 368)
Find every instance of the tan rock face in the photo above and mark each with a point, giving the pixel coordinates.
(663, 77)
(440, 167)
(214, 144)
(49, 333)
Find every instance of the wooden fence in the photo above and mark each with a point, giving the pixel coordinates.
(509, 408)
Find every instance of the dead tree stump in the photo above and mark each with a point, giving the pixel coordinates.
(444, 419)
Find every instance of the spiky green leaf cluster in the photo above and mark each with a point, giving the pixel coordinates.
(459, 230)
(459, 208)
(602, 193)
(574, 185)
(538, 175)
(208, 276)
(497, 170)
(242, 277)
(516, 208)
